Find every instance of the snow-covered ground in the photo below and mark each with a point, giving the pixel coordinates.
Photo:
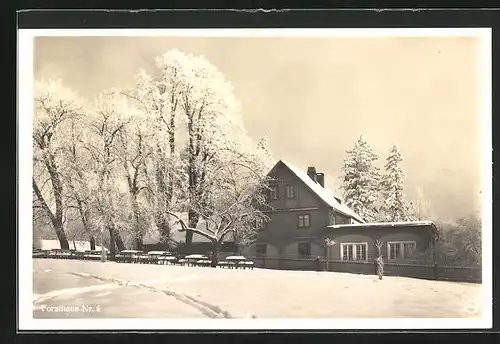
(284, 294)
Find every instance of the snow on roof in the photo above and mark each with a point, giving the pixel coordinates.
(324, 193)
(386, 224)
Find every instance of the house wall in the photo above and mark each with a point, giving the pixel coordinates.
(282, 230)
(283, 226)
(272, 250)
(292, 250)
(284, 243)
(419, 234)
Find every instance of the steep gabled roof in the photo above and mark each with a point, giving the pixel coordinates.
(325, 194)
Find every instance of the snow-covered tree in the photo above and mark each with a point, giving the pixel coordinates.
(107, 118)
(421, 206)
(231, 200)
(158, 96)
(55, 107)
(395, 207)
(460, 242)
(211, 117)
(194, 109)
(360, 180)
(134, 148)
(76, 172)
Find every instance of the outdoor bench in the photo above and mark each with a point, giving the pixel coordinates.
(246, 264)
(222, 264)
(203, 263)
(167, 260)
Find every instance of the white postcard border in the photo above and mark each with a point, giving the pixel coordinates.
(25, 264)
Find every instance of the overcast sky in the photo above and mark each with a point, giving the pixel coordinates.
(313, 97)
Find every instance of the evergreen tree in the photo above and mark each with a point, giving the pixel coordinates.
(360, 180)
(395, 207)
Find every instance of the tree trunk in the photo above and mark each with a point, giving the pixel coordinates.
(163, 228)
(85, 222)
(112, 247)
(192, 186)
(56, 219)
(119, 242)
(138, 244)
(57, 189)
(193, 218)
(138, 230)
(162, 221)
(92, 243)
(61, 236)
(215, 253)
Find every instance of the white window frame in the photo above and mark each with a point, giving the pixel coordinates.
(401, 248)
(289, 187)
(303, 220)
(354, 253)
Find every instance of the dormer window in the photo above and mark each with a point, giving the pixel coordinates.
(290, 191)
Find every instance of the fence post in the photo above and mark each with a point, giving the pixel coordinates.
(327, 258)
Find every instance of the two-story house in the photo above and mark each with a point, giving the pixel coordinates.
(303, 213)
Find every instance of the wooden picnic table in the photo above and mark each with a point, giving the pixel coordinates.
(167, 260)
(153, 257)
(236, 262)
(128, 256)
(193, 258)
(203, 262)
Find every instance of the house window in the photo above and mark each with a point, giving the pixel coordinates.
(400, 249)
(261, 249)
(304, 249)
(354, 251)
(304, 220)
(290, 191)
(332, 219)
(273, 192)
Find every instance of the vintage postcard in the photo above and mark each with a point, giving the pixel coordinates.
(255, 179)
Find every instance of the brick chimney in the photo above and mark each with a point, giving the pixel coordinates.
(311, 172)
(320, 178)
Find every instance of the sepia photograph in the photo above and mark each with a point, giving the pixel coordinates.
(305, 178)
